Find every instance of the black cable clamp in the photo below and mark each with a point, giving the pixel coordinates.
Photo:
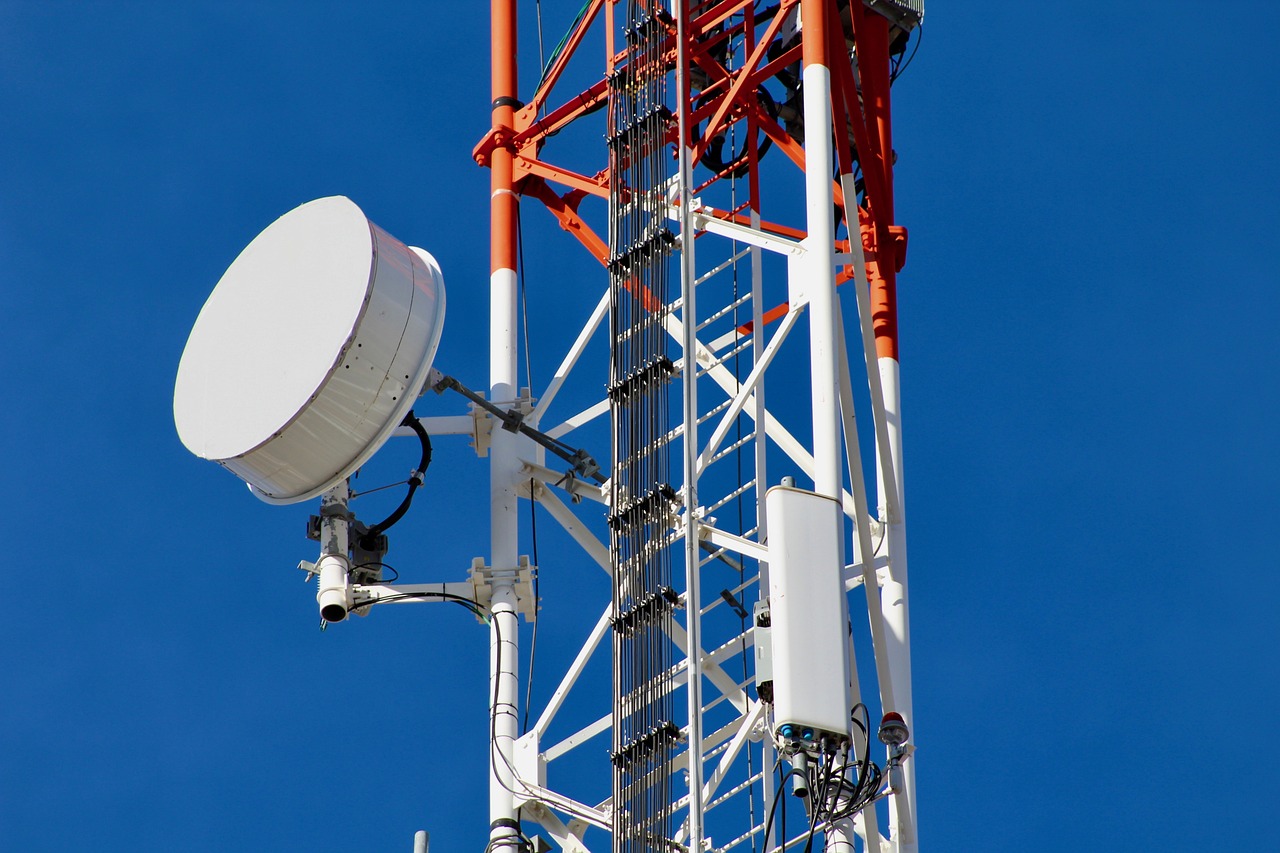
(646, 744)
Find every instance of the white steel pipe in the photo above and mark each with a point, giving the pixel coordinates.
(762, 362)
(820, 272)
(504, 640)
(505, 696)
(894, 601)
(689, 376)
(839, 837)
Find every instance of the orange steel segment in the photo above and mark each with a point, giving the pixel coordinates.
(813, 18)
(533, 132)
(565, 209)
(718, 13)
(597, 186)
(503, 203)
(513, 146)
(744, 77)
(871, 32)
(867, 144)
(753, 145)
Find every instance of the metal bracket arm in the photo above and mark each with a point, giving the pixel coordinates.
(366, 595)
(745, 547)
(513, 421)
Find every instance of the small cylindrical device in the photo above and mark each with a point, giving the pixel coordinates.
(893, 729)
(800, 774)
(334, 594)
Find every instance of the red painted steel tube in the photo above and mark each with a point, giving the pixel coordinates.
(503, 201)
(873, 67)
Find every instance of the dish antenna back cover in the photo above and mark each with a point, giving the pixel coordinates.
(309, 352)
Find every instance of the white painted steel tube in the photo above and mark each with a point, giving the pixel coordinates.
(689, 376)
(504, 465)
(839, 837)
(867, 818)
(894, 604)
(504, 462)
(820, 271)
(504, 686)
(888, 371)
(757, 412)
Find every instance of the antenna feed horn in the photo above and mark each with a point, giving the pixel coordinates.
(334, 593)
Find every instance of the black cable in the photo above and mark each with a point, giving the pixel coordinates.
(542, 60)
(525, 842)
(713, 158)
(524, 297)
(816, 802)
(470, 604)
(778, 795)
(782, 784)
(902, 65)
(476, 609)
(863, 792)
(866, 745)
(395, 573)
(493, 713)
(368, 540)
(528, 375)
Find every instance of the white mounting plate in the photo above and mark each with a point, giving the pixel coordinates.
(309, 352)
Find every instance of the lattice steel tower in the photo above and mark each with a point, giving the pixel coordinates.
(753, 562)
(750, 569)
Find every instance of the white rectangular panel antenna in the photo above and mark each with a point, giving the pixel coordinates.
(809, 616)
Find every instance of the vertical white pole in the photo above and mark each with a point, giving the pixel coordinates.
(504, 544)
(758, 344)
(895, 606)
(820, 272)
(689, 387)
(893, 603)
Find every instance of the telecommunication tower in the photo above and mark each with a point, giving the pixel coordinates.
(743, 181)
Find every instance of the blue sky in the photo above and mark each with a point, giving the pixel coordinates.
(1090, 382)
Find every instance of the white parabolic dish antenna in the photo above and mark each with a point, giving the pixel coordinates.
(309, 352)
